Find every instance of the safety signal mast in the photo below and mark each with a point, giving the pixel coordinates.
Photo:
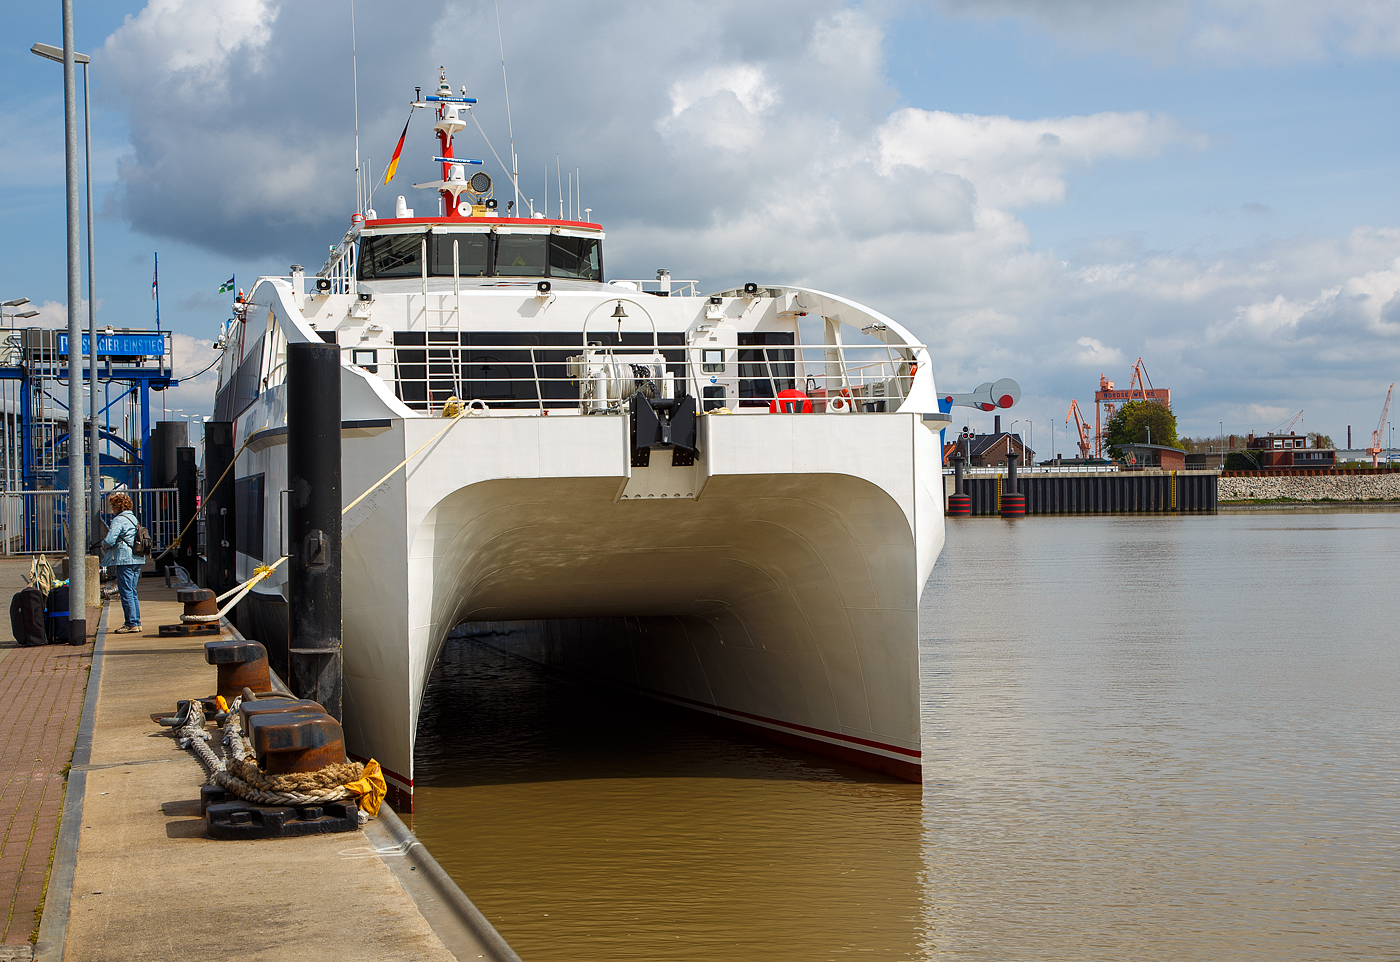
(454, 181)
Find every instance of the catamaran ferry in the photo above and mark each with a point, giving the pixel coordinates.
(730, 501)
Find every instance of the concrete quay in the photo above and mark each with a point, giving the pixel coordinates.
(133, 875)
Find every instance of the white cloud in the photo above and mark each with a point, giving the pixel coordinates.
(188, 356)
(1016, 163)
(1095, 354)
(187, 44)
(1225, 32)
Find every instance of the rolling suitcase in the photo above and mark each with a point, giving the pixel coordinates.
(27, 617)
(56, 615)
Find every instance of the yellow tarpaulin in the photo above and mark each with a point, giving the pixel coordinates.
(370, 788)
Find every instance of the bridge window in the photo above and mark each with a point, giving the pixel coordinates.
(521, 255)
(472, 258)
(575, 257)
(393, 255)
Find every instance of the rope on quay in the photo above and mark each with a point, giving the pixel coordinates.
(240, 591)
(238, 771)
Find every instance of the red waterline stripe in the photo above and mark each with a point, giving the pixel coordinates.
(392, 774)
(782, 724)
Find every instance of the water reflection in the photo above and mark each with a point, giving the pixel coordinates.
(591, 825)
(1145, 738)
(1175, 741)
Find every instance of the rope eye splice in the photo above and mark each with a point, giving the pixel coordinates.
(293, 803)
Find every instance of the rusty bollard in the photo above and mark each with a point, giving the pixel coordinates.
(242, 664)
(304, 741)
(275, 706)
(198, 602)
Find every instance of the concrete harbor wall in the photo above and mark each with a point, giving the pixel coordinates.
(1329, 487)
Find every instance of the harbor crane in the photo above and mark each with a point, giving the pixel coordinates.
(1107, 398)
(1289, 428)
(1379, 433)
(1084, 446)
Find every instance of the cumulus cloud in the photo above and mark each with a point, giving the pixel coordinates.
(1226, 32)
(1095, 353)
(189, 355)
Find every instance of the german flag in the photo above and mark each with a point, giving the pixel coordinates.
(394, 163)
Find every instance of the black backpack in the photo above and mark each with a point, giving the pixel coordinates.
(27, 617)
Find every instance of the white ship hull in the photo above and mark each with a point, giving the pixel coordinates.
(774, 582)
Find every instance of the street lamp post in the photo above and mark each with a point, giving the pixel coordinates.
(11, 315)
(94, 463)
(77, 513)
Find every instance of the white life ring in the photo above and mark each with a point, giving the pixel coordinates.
(839, 405)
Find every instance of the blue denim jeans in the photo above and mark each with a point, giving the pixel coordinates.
(128, 576)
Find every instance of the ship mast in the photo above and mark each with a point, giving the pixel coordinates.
(449, 124)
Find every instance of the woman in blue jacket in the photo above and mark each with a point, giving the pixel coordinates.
(119, 559)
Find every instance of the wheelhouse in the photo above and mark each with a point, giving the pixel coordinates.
(393, 250)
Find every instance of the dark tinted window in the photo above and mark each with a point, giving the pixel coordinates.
(393, 255)
(521, 255)
(471, 254)
(764, 370)
(411, 368)
(575, 257)
(242, 391)
(248, 515)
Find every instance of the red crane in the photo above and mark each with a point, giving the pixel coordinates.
(1379, 433)
(1084, 446)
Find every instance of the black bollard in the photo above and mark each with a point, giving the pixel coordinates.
(957, 474)
(313, 524)
(1010, 473)
(219, 514)
(187, 486)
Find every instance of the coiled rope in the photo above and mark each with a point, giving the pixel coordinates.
(238, 772)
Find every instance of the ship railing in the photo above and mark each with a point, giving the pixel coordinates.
(36, 522)
(665, 287)
(529, 377)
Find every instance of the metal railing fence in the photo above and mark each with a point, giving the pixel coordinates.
(36, 522)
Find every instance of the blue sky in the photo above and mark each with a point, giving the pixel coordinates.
(1044, 191)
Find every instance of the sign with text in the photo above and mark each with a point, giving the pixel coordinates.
(121, 345)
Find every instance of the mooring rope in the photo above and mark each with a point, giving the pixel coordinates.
(462, 411)
(262, 571)
(238, 772)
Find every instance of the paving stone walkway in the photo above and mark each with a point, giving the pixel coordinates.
(41, 703)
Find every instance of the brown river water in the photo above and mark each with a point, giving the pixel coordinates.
(1145, 738)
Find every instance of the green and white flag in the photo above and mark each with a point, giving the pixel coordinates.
(226, 285)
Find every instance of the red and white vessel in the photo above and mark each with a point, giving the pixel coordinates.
(730, 501)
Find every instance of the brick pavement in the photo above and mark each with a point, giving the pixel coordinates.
(41, 702)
